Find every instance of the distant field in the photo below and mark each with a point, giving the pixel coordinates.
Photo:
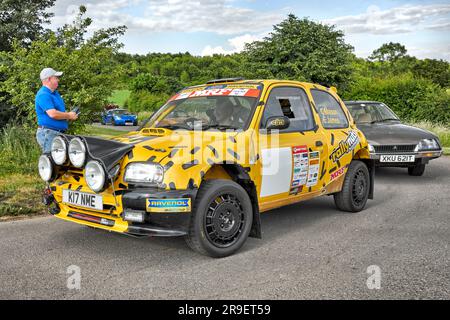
(102, 132)
(119, 97)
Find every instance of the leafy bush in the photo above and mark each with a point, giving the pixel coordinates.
(410, 98)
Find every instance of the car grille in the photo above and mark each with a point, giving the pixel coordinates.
(395, 148)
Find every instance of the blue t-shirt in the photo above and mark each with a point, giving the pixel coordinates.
(46, 100)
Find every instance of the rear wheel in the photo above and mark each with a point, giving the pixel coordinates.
(221, 219)
(355, 189)
(417, 170)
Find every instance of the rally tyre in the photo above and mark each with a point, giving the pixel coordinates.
(355, 189)
(417, 170)
(221, 218)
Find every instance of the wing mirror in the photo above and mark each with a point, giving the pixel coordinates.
(277, 123)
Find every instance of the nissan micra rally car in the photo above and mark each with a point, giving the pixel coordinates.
(209, 161)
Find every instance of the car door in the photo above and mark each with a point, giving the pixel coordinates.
(338, 132)
(293, 160)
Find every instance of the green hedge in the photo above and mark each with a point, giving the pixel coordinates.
(143, 100)
(410, 98)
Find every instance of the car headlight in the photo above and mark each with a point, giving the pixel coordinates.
(45, 167)
(427, 144)
(77, 152)
(144, 173)
(94, 174)
(59, 150)
(371, 148)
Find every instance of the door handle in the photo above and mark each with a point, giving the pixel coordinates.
(319, 144)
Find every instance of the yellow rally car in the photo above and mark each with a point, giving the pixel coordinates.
(209, 161)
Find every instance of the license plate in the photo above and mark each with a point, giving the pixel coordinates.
(128, 123)
(83, 199)
(397, 158)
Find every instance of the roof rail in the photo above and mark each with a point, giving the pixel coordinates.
(224, 80)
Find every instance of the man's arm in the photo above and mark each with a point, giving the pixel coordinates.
(58, 115)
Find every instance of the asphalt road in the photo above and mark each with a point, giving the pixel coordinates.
(308, 251)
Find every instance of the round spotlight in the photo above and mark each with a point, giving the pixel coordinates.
(77, 152)
(59, 150)
(95, 176)
(45, 167)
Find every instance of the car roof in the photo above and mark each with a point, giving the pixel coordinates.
(359, 101)
(265, 82)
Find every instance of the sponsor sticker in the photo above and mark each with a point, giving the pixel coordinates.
(295, 190)
(345, 146)
(300, 165)
(337, 173)
(219, 90)
(168, 205)
(313, 172)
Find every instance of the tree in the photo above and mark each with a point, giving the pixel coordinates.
(436, 70)
(22, 20)
(300, 49)
(90, 71)
(388, 52)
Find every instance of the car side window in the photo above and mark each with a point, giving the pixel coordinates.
(293, 103)
(330, 112)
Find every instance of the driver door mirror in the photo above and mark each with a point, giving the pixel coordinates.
(277, 123)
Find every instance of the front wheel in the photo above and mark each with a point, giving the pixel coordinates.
(221, 219)
(355, 189)
(417, 170)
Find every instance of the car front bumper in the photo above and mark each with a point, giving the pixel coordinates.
(123, 122)
(163, 224)
(422, 157)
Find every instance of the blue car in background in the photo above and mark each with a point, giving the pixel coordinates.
(119, 117)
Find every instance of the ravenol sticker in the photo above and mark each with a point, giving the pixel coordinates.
(168, 205)
(345, 146)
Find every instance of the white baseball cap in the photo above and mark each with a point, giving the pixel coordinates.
(49, 72)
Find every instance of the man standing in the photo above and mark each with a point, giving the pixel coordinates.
(50, 109)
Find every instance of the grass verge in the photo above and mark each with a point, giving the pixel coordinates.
(442, 131)
(120, 97)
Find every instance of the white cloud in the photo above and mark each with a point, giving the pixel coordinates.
(396, 20)
(218, 16)
(236, 44)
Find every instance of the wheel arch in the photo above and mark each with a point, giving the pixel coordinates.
(238, 174)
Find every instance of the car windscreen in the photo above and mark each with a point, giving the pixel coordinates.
(121, 112)
(226, 107)
(371, 113)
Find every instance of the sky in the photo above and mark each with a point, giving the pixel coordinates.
(205, 27)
